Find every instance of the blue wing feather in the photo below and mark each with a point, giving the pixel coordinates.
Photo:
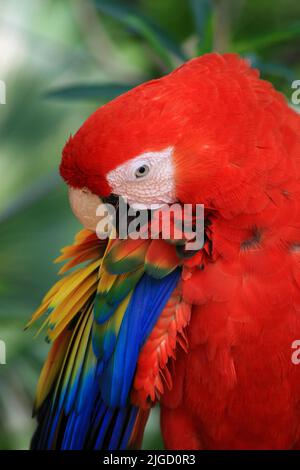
(94, 410)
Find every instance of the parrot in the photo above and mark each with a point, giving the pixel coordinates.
(207, 334)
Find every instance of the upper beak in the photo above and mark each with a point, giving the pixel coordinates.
(84, 205)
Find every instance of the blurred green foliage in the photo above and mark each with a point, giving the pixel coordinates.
(61, 59)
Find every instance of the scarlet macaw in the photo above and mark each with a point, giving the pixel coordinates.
(208, 336)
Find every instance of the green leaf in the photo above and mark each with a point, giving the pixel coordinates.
(145, 27)
(33, 194)
(271, 68)
(200, 9)
(267, 40)
(105, 92)
(203, 13)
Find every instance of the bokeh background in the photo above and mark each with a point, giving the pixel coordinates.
(60, 60)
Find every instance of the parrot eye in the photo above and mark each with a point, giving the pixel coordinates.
(141, 171)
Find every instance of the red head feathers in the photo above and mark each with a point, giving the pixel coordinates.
(214, 112)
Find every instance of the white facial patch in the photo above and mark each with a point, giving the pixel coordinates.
(146, 180)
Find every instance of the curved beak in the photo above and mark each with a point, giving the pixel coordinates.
(84, 205)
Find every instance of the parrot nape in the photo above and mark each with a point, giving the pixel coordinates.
(206, 334)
